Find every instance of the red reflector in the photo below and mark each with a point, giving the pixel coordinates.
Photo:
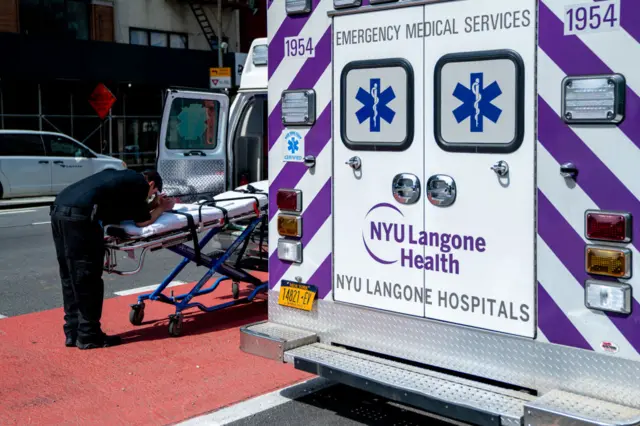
(289, 200)
(615, 227)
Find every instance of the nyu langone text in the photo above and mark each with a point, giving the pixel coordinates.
(443, 262)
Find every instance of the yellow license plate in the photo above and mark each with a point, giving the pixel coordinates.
(297, 295)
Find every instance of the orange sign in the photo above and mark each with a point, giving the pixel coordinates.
(101, 99)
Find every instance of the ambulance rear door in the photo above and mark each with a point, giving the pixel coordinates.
(192, 146)
(480, 163)
(378, 159)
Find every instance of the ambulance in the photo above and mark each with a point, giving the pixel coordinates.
(454, 199)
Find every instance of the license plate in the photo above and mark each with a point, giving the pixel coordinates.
(297, 295)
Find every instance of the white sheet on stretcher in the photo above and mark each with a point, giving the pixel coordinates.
(168, 222)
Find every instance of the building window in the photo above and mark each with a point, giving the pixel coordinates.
(158, 38)
(57, 18)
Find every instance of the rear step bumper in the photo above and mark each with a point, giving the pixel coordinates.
(446, 395)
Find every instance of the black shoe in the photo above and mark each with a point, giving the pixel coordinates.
(102, 341)
(70, 341)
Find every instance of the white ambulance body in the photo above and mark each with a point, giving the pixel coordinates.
(452, 188)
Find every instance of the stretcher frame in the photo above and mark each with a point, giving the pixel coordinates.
(176, 242)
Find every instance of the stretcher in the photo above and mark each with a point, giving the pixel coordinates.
(240, 214)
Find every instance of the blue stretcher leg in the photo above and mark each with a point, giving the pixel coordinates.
(259, 289)
(182, 305)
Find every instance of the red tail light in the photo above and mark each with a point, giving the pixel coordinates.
(289, 200)
(605, 226)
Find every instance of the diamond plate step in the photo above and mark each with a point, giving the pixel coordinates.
(564, 408)
(271, 340)
(449, 396)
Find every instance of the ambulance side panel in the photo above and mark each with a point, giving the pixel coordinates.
(606, 157)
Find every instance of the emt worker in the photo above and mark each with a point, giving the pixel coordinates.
(77, 218)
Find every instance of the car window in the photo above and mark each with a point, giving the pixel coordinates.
(59, 146)
(21, 144)
(193, 124)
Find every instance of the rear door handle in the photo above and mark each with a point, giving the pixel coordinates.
(58, 162)
(200, 153)
(43, 162)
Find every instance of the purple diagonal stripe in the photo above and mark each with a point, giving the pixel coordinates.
(312, 219)
(594, 177)
(555, 324)
(569, 247)
(575, 58)
(630, 19)
(322, 278)
(307, 78)
(291, 26)
(292, 172)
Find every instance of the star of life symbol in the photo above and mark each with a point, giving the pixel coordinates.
(292, 145)
(375, 105)
(477, 102)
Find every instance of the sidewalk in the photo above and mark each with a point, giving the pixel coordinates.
(26, 202)
(152, 379)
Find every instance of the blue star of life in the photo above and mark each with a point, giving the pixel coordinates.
(293, 145)
(375, 105)
(477, 102)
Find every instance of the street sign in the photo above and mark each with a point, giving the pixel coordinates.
(241, 58)
(220, 78)
(101, 99)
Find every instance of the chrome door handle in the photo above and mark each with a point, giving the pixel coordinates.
(355, 163)
(441, 190)
(406, 188)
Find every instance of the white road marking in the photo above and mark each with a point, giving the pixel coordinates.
(3, 316)
(146, 288)
(41, 223)
(17, 211)
(258, 404)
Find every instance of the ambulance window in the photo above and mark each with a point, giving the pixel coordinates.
(377, 105)
(193, 124)
(479, 102)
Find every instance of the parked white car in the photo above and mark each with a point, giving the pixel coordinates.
(34, 164)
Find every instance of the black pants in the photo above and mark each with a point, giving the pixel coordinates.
(80, 251)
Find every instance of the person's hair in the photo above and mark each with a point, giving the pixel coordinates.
(153, 176)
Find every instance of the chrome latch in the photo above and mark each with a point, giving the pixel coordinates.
(355, 163)
(501, 168)
(406, 188)
(568, 170)
(441, 190)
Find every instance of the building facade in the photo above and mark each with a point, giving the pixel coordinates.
(57, 52)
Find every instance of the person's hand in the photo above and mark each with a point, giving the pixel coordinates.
(166, 203)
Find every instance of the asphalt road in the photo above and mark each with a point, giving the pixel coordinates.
(29, 279)
(29, 282)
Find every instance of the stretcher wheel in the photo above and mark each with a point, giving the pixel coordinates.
(136, 315)
(235, 289)
(175, 325)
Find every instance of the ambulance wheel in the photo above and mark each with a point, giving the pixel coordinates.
(136, 315)
(235, 290)
(175, 325)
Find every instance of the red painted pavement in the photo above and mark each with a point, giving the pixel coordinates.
(152, 379)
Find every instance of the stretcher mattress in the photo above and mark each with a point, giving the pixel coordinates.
(169, 222)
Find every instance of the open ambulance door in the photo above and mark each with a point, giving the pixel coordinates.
(192, 146)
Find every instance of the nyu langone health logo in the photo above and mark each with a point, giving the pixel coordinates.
(375, 105)
(477, 102)
(391, 242)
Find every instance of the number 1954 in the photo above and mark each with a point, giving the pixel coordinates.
(300, 47)
(592, 17)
